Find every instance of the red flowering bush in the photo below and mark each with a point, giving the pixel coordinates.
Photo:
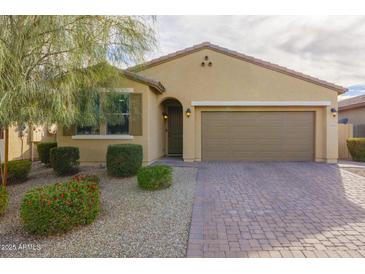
(59, 207)
(82, 178)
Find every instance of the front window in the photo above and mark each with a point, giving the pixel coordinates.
(116, 110)
(90, 110)
(87, 130)
(111, 115)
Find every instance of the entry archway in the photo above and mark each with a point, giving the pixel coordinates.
(173, 122)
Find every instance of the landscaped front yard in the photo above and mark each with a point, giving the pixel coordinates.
(132, 222)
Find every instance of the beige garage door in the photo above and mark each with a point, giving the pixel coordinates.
(258, 136)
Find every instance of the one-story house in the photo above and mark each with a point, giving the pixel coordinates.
(352, 111)
(211, 103)
(22, 141)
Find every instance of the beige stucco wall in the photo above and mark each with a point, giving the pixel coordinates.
(156, 139)
(94, 151)
(230, 79)
(356, 116)
(20, 147)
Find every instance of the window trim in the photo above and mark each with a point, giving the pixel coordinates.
(119, 90)
(103, 137)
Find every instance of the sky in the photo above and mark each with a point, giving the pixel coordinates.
(331, 48)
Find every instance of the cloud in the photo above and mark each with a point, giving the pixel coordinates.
(355, 90)
(331, 48)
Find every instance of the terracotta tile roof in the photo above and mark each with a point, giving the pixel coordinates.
(235, 54)
(144, 80)
(353, 102)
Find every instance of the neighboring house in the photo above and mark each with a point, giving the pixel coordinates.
(20, 141)
(352, 110)
(211, 103)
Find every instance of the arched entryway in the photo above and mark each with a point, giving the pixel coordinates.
(173, 124)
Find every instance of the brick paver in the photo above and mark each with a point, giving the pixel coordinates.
(290, 209)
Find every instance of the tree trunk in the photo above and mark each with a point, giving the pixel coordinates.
(22, 147)
(6, 157)
(30, 136)
(1, 170)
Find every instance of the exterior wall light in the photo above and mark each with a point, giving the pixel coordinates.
(334, 112)
(165, 116)
(188, 112)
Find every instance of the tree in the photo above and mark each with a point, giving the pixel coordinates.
(42, 59)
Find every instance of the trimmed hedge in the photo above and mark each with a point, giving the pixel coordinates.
(44, 151)
(123, 160)
(4, 199)
(59, 207)
(65, 160)
(356, 147)
(155, 177)
(18, 170)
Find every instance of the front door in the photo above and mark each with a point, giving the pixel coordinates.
(174, 130)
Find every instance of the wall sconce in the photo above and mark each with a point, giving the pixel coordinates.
(165, 116)
(210, 64)
(188, 112)
(202, 64)
(206, 58)
(334, 112)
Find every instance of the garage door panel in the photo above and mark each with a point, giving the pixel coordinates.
(258, 136)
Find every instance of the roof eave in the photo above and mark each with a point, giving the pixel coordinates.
(352, 106)
(156, 86)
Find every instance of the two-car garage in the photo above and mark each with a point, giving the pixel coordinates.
(257, 136)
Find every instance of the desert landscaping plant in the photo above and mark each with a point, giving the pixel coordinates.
(18, 170)
(155, 177)
(57, 208)
(65, 160)
(43, 149)
(45, 61)
(4, 198)
(356, 147)
(123, 160)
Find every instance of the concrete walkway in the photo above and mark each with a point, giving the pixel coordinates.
(351, 164)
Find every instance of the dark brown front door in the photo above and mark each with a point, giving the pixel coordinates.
(175, 130)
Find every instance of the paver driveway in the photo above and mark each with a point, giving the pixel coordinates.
(277, 210)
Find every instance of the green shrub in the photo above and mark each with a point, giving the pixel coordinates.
(59, 207)
(65, 160)
(18, 170)
(356, 147)
(155, 177)
(124, 160)
(4, 198)
(44, 151)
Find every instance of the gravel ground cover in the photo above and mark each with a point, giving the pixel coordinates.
(132, 222)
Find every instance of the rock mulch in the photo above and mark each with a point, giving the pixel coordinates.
(132, 222)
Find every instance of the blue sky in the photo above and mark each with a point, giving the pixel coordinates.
(331, 48)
